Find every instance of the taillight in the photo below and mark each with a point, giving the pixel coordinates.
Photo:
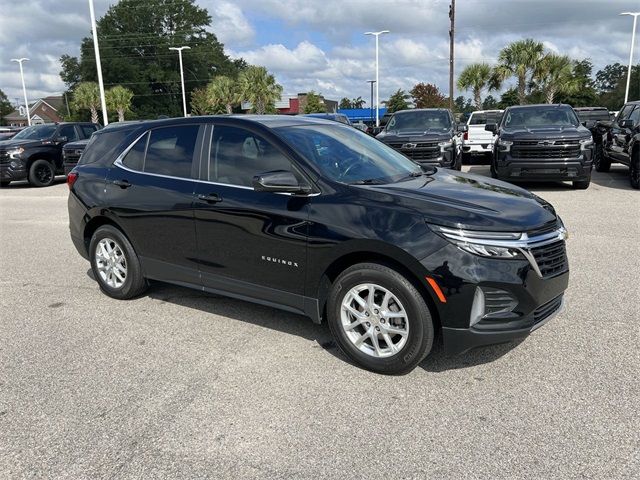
(71, 179)
(466, 135)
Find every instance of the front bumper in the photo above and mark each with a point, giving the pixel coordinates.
(13, 171)
(548, 169)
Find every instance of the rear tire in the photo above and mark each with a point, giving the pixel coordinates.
(4, 184)
(582, 185)
(115, 264)
(466, 158)
(634, 170)
(41, 173)
(389, 332)
(600, 161)
(494, 173)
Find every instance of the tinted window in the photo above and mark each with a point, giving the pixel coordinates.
(540, 117)
(87, 130)
(36, 132)
(420, 121)
(68, 131)
(101, 148)
(170, 150)
(347, 155)
(237, 155)
(635, 115)
(134, 159)
(624, 113)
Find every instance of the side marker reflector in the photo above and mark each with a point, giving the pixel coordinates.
(436, 288)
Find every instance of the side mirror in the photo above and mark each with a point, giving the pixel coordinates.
(491, 127)
(626, 123)
(463, 128)
(60, 140)
(281, 181)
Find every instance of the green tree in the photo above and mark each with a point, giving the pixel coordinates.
(463, 105)
(608, 78)
(475, 77)
(427, 95)
(223, 92)
(87, 97)
(553, 74)
(135, 37)
(490, 103)
(345, 104)
(119, 98)
(258, 86)
(5, 107)
(585, 94)
(509, 98)
(314, 103)
(397, 101)
(201, 102)
(613, 99)
(358, 102)
(518, 59)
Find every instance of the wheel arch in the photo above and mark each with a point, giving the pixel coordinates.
(97, 222)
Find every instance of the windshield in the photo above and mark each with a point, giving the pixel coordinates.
(420, 121)
(542, 116)
(36, 132)
(484, 118)
(347, 155)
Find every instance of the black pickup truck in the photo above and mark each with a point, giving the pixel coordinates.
(621, 142)
(428, 136)
(35, 154)
(71, 153)
(542, 143)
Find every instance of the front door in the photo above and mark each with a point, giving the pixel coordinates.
(249, 243)
(620, 136)
(150, 192)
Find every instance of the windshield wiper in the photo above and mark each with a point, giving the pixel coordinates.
(367, 181)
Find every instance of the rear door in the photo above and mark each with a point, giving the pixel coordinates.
(249, 243)
(150, 191)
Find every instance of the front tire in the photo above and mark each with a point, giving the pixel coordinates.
(5, 184)
(115, 264)
(492, 168)
(582, 185)
(600, 161)
(41, 173)
(379, 319)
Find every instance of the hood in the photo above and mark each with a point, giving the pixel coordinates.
(462, 200)
(77, 145)
(415, 136)
(13, 143)
(546, 133)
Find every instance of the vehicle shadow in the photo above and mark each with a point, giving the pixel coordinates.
(293, 324)
(19, 184)
(616, 177)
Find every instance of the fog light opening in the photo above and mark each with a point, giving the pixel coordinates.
(477, 309)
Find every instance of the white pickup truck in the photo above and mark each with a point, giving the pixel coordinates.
(476, 140)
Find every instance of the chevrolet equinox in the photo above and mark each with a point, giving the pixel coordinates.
(320, 219)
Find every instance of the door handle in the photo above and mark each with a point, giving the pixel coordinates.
(211, 198)
(122, 183)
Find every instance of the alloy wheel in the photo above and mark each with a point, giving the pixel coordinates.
(111, 263)
(43, 173)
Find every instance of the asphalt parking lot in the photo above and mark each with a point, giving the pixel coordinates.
(180, 384)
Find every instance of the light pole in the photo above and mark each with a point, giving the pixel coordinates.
(184, 97)
(24, 89)
(94, 31)
(633, 40)
(377, 34)
(371, 104)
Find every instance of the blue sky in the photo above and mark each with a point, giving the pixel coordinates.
(319, 44)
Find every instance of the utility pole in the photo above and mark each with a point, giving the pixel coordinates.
(184, 96)
(377, 34)
(371, 82)
(452, 32)
(94, 30)
(633, 40)
(24, 89)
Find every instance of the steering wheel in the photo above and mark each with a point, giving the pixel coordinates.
(354, 164)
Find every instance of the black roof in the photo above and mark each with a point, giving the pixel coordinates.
(556, 105)
(409, 110)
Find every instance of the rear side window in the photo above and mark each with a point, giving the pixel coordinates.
(87, 130)
(103, 146)
(164, 151)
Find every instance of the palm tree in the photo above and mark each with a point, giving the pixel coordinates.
(223, 91)
(358, 102)
(554, 74)
(119, 98)
(518, 59)
(87, 95)
(475, 77)
(259, 87)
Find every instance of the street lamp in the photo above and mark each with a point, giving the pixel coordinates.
(24, 89)
(377, 34)
(184, 97)
(633, 39)
(371, 82)
(96, 49)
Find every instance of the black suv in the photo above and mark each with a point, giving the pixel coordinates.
(542, 142)
(621, 142)
(318, 218)
(428, 136)
(35, 153)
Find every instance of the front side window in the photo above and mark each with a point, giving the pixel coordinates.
(420, 121)
(624, 113)
(347, 155)
(87, 130)
(635, 116)
(68, 131)
(237, 155)
(164, 151)
(542, 116)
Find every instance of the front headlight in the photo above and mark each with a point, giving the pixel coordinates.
(586, 143)
(15, 152)
(485, 244)
(445, 145)
(505, 145)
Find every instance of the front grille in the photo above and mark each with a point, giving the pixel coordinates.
(421, 152)
(549, 227)
(551, 259)
(4, 158)
(72, 156)
(497, 301)
(559, 151)
(549, 308)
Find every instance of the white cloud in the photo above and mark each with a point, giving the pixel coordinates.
(230, 25)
